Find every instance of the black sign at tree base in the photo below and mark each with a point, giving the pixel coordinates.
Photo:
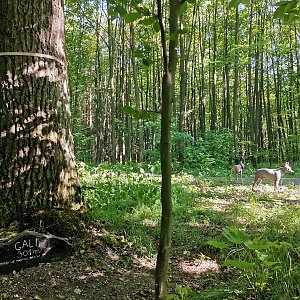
(29, 249)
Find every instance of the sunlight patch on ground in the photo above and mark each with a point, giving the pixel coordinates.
(208, 227)
(112, 255)
(149, 223)
(220, 205)
(196, 224)
(197, 267)
(144, 262)
(90, 273)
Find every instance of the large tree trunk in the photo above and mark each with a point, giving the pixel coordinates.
(37, 167)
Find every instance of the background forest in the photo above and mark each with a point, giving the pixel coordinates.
(236, 92)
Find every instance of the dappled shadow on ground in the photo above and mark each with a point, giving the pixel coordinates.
(103, 270)
(107, 266)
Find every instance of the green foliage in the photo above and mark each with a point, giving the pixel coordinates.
(123, 198)
(153, 125)
(258, 248)
(93, 54)
(182, 293)
(288, 11)
(236, 3)
(262, 263)
(139, 114)
(83, 146)
(215, 150)
(235, 236)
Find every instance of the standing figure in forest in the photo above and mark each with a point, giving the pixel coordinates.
(275, 175)
(238, 169)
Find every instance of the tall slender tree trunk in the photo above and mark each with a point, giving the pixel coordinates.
(213, 102)
(226, 113)
(236, 81)
(182, 68)
(269, 116)
(137, 96)
(98, 102)
(251, 115)
(37, 167)
(202, 102)
(111, 88)
(169, 63)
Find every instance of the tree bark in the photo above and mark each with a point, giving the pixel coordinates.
(140, 157)
(182, 96)
(111, 88)
(37, 167)
(213, 100)
(236, 82)
(169, 62)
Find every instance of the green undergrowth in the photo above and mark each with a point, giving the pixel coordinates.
(261, 229)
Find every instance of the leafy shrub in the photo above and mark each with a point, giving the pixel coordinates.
(177, 138)
(214, 150)
(83, 146)
(268, 268)
(182, 293)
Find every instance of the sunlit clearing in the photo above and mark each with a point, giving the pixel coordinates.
(198, 267)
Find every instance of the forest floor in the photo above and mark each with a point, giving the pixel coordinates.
(105, 265)
(103, 271)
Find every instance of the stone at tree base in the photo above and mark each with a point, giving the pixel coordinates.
(29, 249)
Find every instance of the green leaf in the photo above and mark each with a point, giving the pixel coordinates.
(148, 21)
(138, 53)
(272, 263)
(234, 3)
(290, 18)
(235, 236)
(279, 12)
(136, 2)
(288, 11)
(238, 264)
(245, 2)
(183, 8)
(131, 17)
(257, 244)
(147, 62)
(217, 244)
(138, 114)
(128, 110)
(156, 26)
(121, 10)
(143, 10)
(172, 297)
(182, 31)
(113, 13)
